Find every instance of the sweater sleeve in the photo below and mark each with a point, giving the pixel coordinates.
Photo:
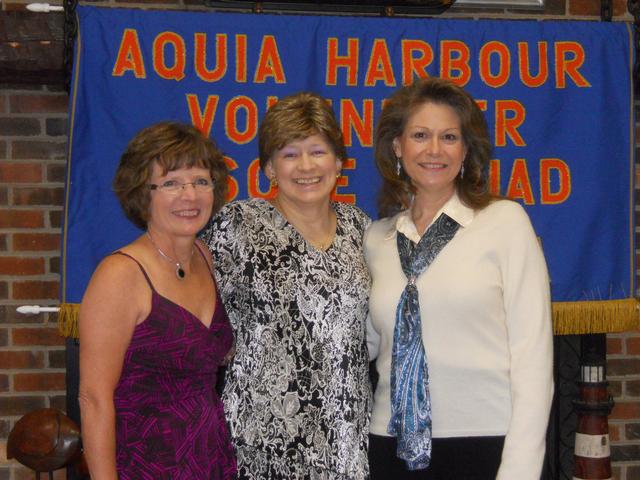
(528, 317)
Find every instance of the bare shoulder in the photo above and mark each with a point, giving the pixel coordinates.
(117, 288)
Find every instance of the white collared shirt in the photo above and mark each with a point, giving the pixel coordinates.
(486, 328)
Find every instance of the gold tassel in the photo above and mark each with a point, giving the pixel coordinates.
(600, 316)
(68, 320)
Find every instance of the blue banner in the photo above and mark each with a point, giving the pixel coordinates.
(557, 96)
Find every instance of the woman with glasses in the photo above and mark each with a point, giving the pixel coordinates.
(153, 330)
(293, 279)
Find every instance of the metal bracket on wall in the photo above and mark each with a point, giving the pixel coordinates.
(70, 32)
(634, 9)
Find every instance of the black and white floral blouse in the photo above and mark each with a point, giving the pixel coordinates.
(297, 392)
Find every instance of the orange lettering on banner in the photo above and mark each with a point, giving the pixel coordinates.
(525, 65)
(241, 58)
(510, 114)
(343, 181)
(335, 61)
(491, 50)
(165, 66)
(233, 109)
(547, 166)
(232, 183)
(200, 57)
(271, 101)
(253, 182)
(129, 56)
(415, 65)
(494, 177)
(269, 63)
(569, 58)
(454, 61)
(202, 120)
(351, 120)
(519, 183)
(379, 68)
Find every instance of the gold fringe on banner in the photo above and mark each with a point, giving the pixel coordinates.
(600, 316)
(68, 320)
(569, 318)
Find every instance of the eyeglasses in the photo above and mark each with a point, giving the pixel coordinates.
(174, 187)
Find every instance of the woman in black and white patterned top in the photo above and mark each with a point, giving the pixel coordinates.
(293, 280)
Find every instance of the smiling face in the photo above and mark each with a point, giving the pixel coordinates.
(306, 170)
(431, 148)
(181, 213)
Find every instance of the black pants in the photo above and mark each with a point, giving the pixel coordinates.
(466, 458)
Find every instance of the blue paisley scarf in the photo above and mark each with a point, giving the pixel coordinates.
(410, 402)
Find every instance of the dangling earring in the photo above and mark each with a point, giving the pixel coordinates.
(338, 175)
(398, 166)
(274, 181)
(462, 171)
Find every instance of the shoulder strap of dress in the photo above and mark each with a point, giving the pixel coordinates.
(204, 257)
(144, 272)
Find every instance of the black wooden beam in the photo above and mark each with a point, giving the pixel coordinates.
(31, 48)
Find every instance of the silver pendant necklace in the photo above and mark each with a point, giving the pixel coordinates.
(180, 273)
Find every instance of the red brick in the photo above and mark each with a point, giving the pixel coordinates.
(21, 219)
(56, 126)
(54, 265)
(4, 290)
(58, 401)
(38, 196)
(19, 127)
(9, 314)
(38, 103)
(4, 383)
(633, 345)
(584, 7)
(623, 366)
(21, 359)
(20, 172)
(45, 336)
(55, 218)
(38, 382)
(19, 405)
(57, 358)
(21, 266)
(614, 432)
(31, 290)
(39, 150)
(36, 242)
(3, 241)
(4, 337)
(614, 345)
(56, 173)
(625, 410)
(3, 149)
(4, 196)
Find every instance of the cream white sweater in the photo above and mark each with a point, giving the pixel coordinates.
(486, 329)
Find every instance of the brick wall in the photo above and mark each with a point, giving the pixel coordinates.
(32, 161)
(32, 150)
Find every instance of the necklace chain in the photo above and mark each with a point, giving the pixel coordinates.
(180, 273)
(326, 242)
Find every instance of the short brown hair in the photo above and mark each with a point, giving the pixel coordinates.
(171, 145)
(297, 117)
(397, 190)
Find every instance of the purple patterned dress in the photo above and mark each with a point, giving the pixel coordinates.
(170, 422)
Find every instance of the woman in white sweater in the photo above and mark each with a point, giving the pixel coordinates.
(460, 322)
